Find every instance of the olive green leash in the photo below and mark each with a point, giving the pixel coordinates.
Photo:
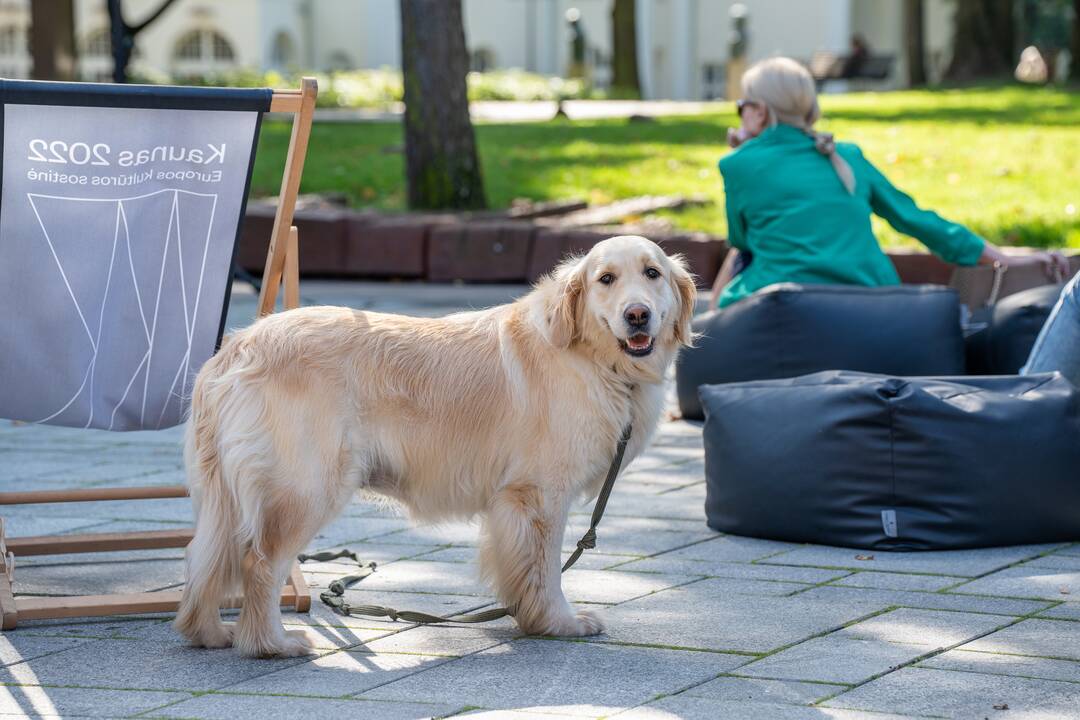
(334, 595)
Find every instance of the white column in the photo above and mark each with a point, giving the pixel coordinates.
(684, 49)
(838, 35)
(644, 18)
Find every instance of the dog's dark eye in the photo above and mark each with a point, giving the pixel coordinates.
(652, 273)
(607, 278)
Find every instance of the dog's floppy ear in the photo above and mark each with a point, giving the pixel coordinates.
(685, 290)
(563, 309)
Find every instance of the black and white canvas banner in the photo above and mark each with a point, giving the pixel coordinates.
(117, 231)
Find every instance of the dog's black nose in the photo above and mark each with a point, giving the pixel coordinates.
(637, 315)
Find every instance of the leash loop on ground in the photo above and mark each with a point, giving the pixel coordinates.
(334, 595)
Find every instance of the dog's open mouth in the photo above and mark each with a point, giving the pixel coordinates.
(638, 345)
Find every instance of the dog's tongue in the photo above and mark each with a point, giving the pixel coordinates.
(639, 341)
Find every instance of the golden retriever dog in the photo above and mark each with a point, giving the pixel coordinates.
(510, 414)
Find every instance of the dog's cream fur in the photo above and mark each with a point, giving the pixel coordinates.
(510, 413)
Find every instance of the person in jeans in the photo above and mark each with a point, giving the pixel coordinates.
(1058, 344)
(799, 205)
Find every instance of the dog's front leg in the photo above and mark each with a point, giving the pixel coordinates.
(521, 550)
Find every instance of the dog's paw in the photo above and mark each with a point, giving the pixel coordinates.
(292, 643)
(589, 622)
(215, 637)
(574, 624)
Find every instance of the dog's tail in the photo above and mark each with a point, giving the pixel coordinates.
(214, 557)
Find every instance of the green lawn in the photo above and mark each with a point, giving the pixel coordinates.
(1005, 161)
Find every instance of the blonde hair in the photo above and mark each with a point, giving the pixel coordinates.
(787, 91)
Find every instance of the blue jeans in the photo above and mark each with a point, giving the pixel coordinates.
(1058, 344)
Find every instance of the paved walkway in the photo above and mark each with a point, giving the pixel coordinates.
(539, 110)
(700, 625)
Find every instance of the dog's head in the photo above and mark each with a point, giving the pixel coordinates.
(626, 300)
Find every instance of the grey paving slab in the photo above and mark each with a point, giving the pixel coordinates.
(139, 664)
(168, 510)
(707, 615)
(617, 676)
(91, 558)
(944, 693)
(673, 506)
(874, 646)
(926, 600)
(1047, 638)
(109, 629)
(230, 707)
(1057, 561)
(581, 712)
(769, 691)
(50, 702)
(835, 659)
(16, 647)
(348, 530)
(121, 577)
(926, 627)
(672, 474)
(1064, 611)
(1027, 581)
(591, 560)
(341, 674)
(1015, 665)
(419, 576)
(749, 571)
(16, 525)
(447, 534)
(637, 536)
(731, 548)
(603, 586)
(446, 640)
(685, 707)
(967, 563)
(898, 581)
(330, 638)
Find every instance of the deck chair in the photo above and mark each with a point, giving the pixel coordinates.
(120, 213)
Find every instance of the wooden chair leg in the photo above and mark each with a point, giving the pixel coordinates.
(291, 274)
(9, 611)
(299, 586)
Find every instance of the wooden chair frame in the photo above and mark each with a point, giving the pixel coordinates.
(282, 267)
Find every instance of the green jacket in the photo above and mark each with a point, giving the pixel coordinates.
(786, 205)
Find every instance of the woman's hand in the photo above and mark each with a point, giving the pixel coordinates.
(1053, 263)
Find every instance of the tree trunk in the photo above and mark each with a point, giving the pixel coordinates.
(983, 40)
(441, 163)
(624, 62)
(914, 42)
(52, 39)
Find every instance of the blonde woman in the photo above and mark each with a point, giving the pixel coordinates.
(799, 204)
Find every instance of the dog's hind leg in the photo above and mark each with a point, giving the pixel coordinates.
(523, 533)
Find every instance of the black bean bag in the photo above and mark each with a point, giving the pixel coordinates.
(887, 463)
(788, 330)
(1002, 345)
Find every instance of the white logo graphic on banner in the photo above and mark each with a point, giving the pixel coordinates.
(116, 252)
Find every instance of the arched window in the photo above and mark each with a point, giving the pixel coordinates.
(202, 51)
(283, 51)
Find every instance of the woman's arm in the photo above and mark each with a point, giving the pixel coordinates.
(736, 235)
(950, 241)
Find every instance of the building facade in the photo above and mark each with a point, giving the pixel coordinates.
(682, 44)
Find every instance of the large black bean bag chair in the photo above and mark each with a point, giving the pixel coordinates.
(1002, 345)
(887, 463)
(788, 330)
